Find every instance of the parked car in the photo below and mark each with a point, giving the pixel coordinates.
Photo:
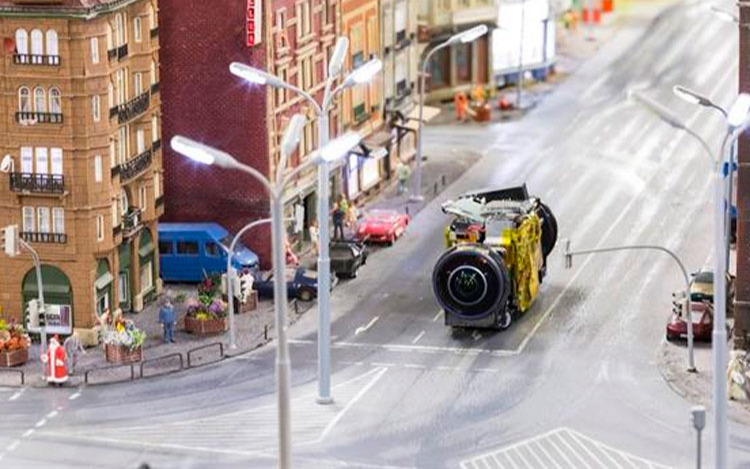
(189, 251)
(702, 314)
(347, 257)
(301, 283)
(702, 289)
(382, 226)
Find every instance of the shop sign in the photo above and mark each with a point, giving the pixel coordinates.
(254, 23)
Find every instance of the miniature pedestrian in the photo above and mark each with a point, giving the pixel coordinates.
(461, 102)
(167, 318)
(338, 221)
(352, 214)
(291, 257)
(313, 232)
(73, 348)
(403, 172)
(54, 358)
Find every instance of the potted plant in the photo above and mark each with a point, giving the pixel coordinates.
(206, 314)
(123, 342)
(14, 344)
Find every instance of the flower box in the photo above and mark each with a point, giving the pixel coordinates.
(205, 326)
(14, 358)
(120, 354)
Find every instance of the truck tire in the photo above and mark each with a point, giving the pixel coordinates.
(549, 228)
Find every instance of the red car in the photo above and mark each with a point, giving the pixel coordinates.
(382, 226)
(703, 323)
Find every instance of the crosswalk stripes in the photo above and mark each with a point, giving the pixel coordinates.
(562, 448)
(248, 431)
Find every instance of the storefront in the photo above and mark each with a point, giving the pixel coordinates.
(123, 277)
(458, 67)
(103, 286)
(58, 299)
(406, 131)
(369, 164)
(147, 265)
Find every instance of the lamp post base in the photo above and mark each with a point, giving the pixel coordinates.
(416, 198)
(324, 400)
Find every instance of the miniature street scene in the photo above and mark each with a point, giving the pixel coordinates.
(375, 234)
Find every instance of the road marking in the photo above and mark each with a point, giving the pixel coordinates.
(27, 433)
(369, 325)
(437, 316)
(52, 414)
(40, 423)
(414, 348)
(75, 395)
(419, 367)
(17, 394)
(13, 445)
(416, 339)
(387, 365)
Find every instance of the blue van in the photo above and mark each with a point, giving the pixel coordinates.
(188, 251)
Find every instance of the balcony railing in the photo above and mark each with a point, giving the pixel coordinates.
(131, 221)
(52, 238)
(154, 32)
(122, 52)
(23, 117)
(113, 112)
(115, 171)
(156, 145)
(155, 87)
(36, 59)
(133, 108)
(116, 230)
(37, 183)
(112, 54)
(136, 166)
(360, 113)
(159, 201)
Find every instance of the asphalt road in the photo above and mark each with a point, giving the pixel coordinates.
(571, 384)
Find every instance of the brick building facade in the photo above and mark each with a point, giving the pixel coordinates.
(80, 106)
(742, 306)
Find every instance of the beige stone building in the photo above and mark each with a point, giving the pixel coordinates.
(80, 123)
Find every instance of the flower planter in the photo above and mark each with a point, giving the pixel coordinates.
(120, 354)
(14, 358)
(206, 326)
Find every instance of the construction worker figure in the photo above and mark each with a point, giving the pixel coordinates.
(478, 95)
(461, 102)
(57, 371)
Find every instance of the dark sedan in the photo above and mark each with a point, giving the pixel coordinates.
(301, 283)
(347, 257)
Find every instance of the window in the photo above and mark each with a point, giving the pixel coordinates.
(154, 128)
(43, 219)
(187, 248)
(37, 46)
(122, 144)
(122, 287)
(110, 95)
(102, 302)
(154, 79)
(95, 105)
(165, 247)
(28, 220)
(157, 185)
(124, 203)
(142, 198)
(56, 158)
(401, 18)
(110, 43)
(120, 30)
(22, 42)
(52, 47)
(137, 29)
(58, 220)
(115, 214)
(304, 19)
(152, 17)
(42, 160)
(282, 39)
(98, 168)
(122, 92)
(147, 277)
(27, 160)
(40, 101)
(100, 227)
(24, 99)
(55, 101)
(140, 141)
(307, 73)
(138, 83)
(112, 154)
(95, 50)
(213, 249)
(281, 92)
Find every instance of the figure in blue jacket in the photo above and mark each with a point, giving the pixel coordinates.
(167, 318)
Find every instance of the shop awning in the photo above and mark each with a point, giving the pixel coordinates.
(103, 281)
(374, 146)
(428, 113)
(146, 249)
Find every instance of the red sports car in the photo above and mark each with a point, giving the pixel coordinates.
(703, 323)
(382, 226)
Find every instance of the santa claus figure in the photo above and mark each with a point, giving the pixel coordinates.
(57, 372)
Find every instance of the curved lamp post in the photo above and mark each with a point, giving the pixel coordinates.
(361, 75)
(737, 122)
(335, 150)
(470, 35)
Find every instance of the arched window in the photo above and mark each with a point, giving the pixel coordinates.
(24, 99)
(151, 17)
(55, 101)
(52, 47)
(40, 101)
(120, 29)
(153, 72)
(37, 46)
(124, 204)
(22, 42)
(110, 44)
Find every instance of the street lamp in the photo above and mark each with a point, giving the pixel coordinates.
(362, 74)
(464, 37)
(736, 125)
(208, 155)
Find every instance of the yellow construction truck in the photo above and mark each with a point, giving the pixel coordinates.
(498, 242)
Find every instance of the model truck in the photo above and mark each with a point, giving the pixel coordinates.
(498, 243)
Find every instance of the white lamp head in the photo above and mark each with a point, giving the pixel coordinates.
(6, 166)
(690, 96)
(254, 75)
(724, 15)
(338, 148)
(336, 62)
(738, 113)
(658, 109)
(364, 73)
(469, 35)
(292, 134)
(202, 153)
